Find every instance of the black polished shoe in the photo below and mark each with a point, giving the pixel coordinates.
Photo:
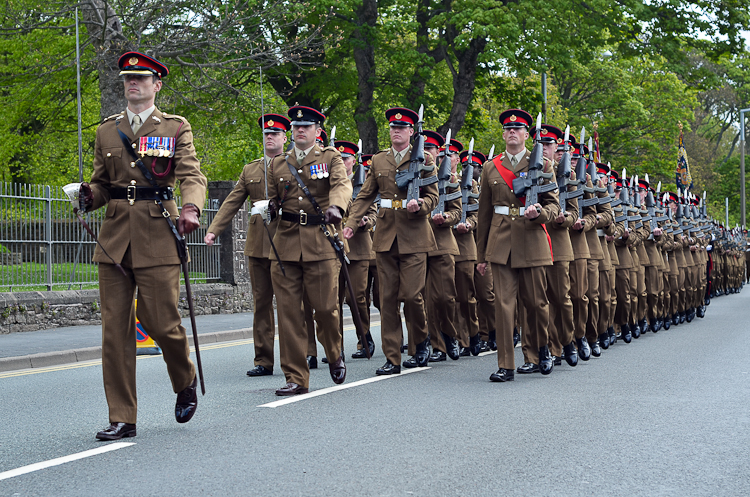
(570, 354)
(707, 301)
(464, 352)
(291, 389)
(116, 431)
(437, 356)
(690, 314)
(676, 318)
(584, 351)
(557, 360)
(483, 346)
(338, 370)
(187, 402)
(626, 336)
(643, 325)
(324, 360)
(452, 348)
(701, 311)
(516, 338)
(546, 364)
(474, 345)
(312, 362)
(260, 371)
(404, 347)
(387, 369)
(604, 341)
(596, 350)
(492, 342)
(667, 322)
(655, 325)
(410, 363)
(612, 336)
(423, 354)
(683, 316)
(528, 368)
(502, 375)
(635, 330)
(360, 354)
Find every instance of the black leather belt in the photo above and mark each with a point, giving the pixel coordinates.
(133, 193)
(302, 218)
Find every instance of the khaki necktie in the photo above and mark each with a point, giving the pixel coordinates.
(513, 161)
(399, 156)
(301, 156)
(136, 123)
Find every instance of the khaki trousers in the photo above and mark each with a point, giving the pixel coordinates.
(592, 268)
(560, 306)
(264, 328)
(319, 280)
(484, 285)
(579, 285)
(467, 318)
(622, 289)
(531, 285)
(402, 279)
(158, 295)
(441, 299)
(653, 279)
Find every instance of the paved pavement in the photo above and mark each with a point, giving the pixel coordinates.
(64, 345)
(665, 415)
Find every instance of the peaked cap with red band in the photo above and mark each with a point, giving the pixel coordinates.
(643, 183)
(323, 138)
(433, 139)
(551, 134)
(602, 168)
(367, 160)
(456, 146)
(347, 149)
(516, 118)
(138, 63)
(274, 123)
(305, 116)
(476, 157)
(400, 116)
(673, 197)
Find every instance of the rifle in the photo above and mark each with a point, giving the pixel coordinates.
(467, 176)
(531, 185)
(563, 171)
(411, 179)
(359, 175)
(332, 141)
(651, 208)
(591, 169)
(625, 201)
(444, 178)
(636, 202)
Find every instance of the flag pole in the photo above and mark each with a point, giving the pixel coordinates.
(78, 101)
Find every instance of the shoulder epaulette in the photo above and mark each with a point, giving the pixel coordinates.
(173, 116)
(114, 116)
(385, 150)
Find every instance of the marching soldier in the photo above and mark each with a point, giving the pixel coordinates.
(485, 293)
(310, 185)
(138, 244)
(511, 237)
(403, 238)
(252, 186)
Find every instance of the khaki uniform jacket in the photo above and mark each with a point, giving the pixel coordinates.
(360, 244)
(307, 243)
(562, 248)
(411, 231)
(512, 240)
(251, 187)
(444, 234)
(141, 226)
(467, 243)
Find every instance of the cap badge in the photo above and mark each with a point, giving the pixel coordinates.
(270, 122)
(398, 115)
(133, 61)
(513, 118)
(369, 162)
(559, 140)
(544, 131)
(299, 113)
(341, 148)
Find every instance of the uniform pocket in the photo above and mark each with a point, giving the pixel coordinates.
(112, 158)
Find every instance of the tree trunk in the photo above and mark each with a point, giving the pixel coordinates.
(105, 31)
(464, 81)
(364, 58)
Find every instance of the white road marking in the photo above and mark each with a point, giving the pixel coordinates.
(62, 460)
(489, 352)
(317, 393)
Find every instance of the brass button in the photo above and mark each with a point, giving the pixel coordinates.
(495, 183)
(299, 198)
(299, 171)
(109, 155)
(132, 164)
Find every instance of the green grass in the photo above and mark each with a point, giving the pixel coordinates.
(33, 276)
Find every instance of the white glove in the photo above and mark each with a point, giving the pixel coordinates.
(261, 207)
(72, 190)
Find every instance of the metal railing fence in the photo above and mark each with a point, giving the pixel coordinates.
(44, 247)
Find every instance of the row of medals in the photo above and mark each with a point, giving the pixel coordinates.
(318, 171)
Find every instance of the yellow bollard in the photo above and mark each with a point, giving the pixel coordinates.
(144, 344)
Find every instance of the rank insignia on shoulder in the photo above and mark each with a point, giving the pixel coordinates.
(156, 146)
(156, 119)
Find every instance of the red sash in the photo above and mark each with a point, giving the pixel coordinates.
(508, 177)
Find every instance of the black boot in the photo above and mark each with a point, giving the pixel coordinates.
(451, 347)
(667, 322)
(596, 350)
(545, 360)
(584, 351)
(570, 354)
(604, 340)
(682, 317)
(475, 345)
(612, 336)
(701, 311)
(690, 314)
(635, 330)
(492, 342)
(423, 354)
(516, 337)
(626, 336)
(643, 324)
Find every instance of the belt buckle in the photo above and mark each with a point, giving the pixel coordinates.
(397, 204)
(131, 194)
(303, 218)
(514, 211)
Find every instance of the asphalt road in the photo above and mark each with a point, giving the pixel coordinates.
(665, 415)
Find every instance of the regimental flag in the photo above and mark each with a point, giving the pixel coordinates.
(682, 174)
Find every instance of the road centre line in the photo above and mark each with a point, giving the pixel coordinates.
(62, 460)
(324, 391)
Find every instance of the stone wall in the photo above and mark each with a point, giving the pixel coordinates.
(31, 311)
